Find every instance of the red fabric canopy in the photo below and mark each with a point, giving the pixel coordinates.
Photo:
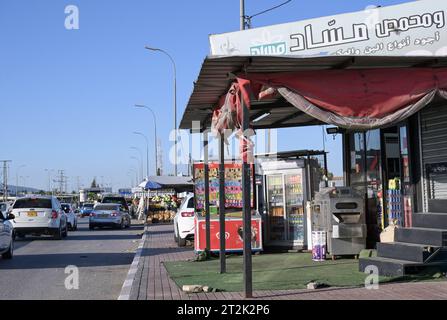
(355, 99)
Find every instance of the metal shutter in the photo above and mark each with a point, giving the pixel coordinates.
(433, 121)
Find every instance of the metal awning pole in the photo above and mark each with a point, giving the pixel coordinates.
(207, 192)
(246, 183)
(326, 173)
(222, 231)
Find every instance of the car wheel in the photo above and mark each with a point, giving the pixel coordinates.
(76, 226)
(70, 228)
(122, 225)
(58, 234)
(10, 253)
(65, 232)
(21, 236)
(181, 242)
(90, 227)
(176, 234)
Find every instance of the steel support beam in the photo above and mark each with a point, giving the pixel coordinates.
(222, 231)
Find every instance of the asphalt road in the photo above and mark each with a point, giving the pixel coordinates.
(103, 258)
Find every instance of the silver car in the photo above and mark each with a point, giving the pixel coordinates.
(6, 236)
(109, 215)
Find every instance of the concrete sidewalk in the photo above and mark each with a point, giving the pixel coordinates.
(150, 280)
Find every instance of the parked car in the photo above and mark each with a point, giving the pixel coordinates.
(115, 199)
(72, 219)
(184, 221)
(109, 215)
(6, 235)
(39, 215)
(4, 207)
(86, 209)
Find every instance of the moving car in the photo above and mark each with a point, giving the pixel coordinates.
(115, 199)
(39, 215)
(86, 209)
(109, 215)
(72, 219)
(6, 235)
(184, 221)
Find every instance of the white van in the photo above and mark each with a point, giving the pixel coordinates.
(39, 215)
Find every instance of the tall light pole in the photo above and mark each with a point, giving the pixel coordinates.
(49, 180)
(134, 170)
(155, 134)
(24, 181)
(175, 100)
(139, 163)
(141, 157)
(17, 177)
(147, 150)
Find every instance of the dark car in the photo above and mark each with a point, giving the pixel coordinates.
(115, 199)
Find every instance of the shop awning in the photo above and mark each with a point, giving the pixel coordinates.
(350, 92)
(169, 181)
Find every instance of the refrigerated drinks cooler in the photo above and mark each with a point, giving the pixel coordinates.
(287, 186)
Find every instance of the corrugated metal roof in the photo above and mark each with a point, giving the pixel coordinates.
(214, 80)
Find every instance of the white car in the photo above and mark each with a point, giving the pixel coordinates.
(39, 215)
(72, 218)
(184, 221)
(6, 236)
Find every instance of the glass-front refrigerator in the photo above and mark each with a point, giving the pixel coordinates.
(295, 207)
(276, 212)
(285, 220)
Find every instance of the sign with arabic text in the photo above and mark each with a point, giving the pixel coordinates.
(411, 29)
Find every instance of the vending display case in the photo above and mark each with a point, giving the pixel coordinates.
(233, 208)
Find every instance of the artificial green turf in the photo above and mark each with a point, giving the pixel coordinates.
(273, 272)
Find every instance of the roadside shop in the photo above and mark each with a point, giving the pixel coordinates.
(380, 82)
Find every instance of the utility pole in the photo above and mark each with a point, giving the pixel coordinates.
(242, 14)
(62, 181)
(5, 179)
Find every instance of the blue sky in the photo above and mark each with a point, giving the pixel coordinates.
(66, 96)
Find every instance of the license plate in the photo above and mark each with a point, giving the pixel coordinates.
(103, 215)
(32, 214)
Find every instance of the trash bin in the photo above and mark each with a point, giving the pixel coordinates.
(318, 246)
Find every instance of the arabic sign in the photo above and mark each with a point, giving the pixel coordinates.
(412, 29)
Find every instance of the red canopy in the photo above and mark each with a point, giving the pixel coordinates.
(356, 98)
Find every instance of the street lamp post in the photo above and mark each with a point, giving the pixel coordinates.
(24, 181)
(17, 177)
(134, 170)
(139, 163)
(175, 100)
(155, 134)
(141, 157)
(147, 151)
(49, 180)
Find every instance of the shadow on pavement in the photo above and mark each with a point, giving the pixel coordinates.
(56, 261)
(147, 252)
(76, 237)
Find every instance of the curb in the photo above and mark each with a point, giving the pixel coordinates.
(127, 286)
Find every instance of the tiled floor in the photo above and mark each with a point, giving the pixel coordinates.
(152, 281)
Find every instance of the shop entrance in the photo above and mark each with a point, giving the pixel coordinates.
(379, 166)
